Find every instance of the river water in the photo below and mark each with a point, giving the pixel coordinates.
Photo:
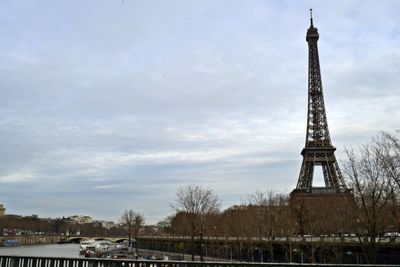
(53, 250)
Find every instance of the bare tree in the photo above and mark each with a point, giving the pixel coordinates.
(387, 147)
(388, 152)
(132, 222)
(164, 226)
(196, 203)
(268, 208)
(238, 221)
(372, 193)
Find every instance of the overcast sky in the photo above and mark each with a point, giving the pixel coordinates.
(107, 105)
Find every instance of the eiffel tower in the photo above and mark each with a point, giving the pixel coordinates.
(318, 150)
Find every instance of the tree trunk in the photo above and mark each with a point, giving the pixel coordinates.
(201, 247)
(137, 247)
(271, 251)
(192, 246)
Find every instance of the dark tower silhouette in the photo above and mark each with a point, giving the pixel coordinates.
(322, 204)
(318, 150)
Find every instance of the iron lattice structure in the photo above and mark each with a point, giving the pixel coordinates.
(318, 150)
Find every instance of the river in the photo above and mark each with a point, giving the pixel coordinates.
(53, 250)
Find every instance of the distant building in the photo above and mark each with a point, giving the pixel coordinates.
(81, 219)
(2, 210)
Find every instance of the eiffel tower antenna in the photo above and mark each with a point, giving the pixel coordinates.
(311, 20)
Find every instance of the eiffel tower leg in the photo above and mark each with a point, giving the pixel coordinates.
(341, 183)
(332, 177)
(306, 175)
(327, 175)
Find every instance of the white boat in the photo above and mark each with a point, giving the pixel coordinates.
(84, 245)
(103, 245)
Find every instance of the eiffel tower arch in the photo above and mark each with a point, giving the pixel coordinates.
(318, 150)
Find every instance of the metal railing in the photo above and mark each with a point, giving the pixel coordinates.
(26, 261)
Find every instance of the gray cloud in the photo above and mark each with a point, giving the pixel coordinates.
(116, 104)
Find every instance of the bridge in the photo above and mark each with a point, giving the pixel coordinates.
(284, 249)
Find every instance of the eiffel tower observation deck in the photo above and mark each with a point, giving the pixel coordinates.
(318, 150)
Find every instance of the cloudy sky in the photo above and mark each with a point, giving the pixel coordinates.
(107, 105)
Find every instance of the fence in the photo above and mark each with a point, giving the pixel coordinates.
(25, 261)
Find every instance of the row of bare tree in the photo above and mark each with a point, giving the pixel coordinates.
(372, 171)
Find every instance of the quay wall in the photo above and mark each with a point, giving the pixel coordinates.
(35, 240)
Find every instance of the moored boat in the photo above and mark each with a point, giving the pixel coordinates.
(100, 245)
(84, 245)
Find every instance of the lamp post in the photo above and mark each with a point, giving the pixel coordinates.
(301, 254)
(261, 254)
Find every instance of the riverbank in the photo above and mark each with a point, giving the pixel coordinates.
(34, 240)
(43, 250)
